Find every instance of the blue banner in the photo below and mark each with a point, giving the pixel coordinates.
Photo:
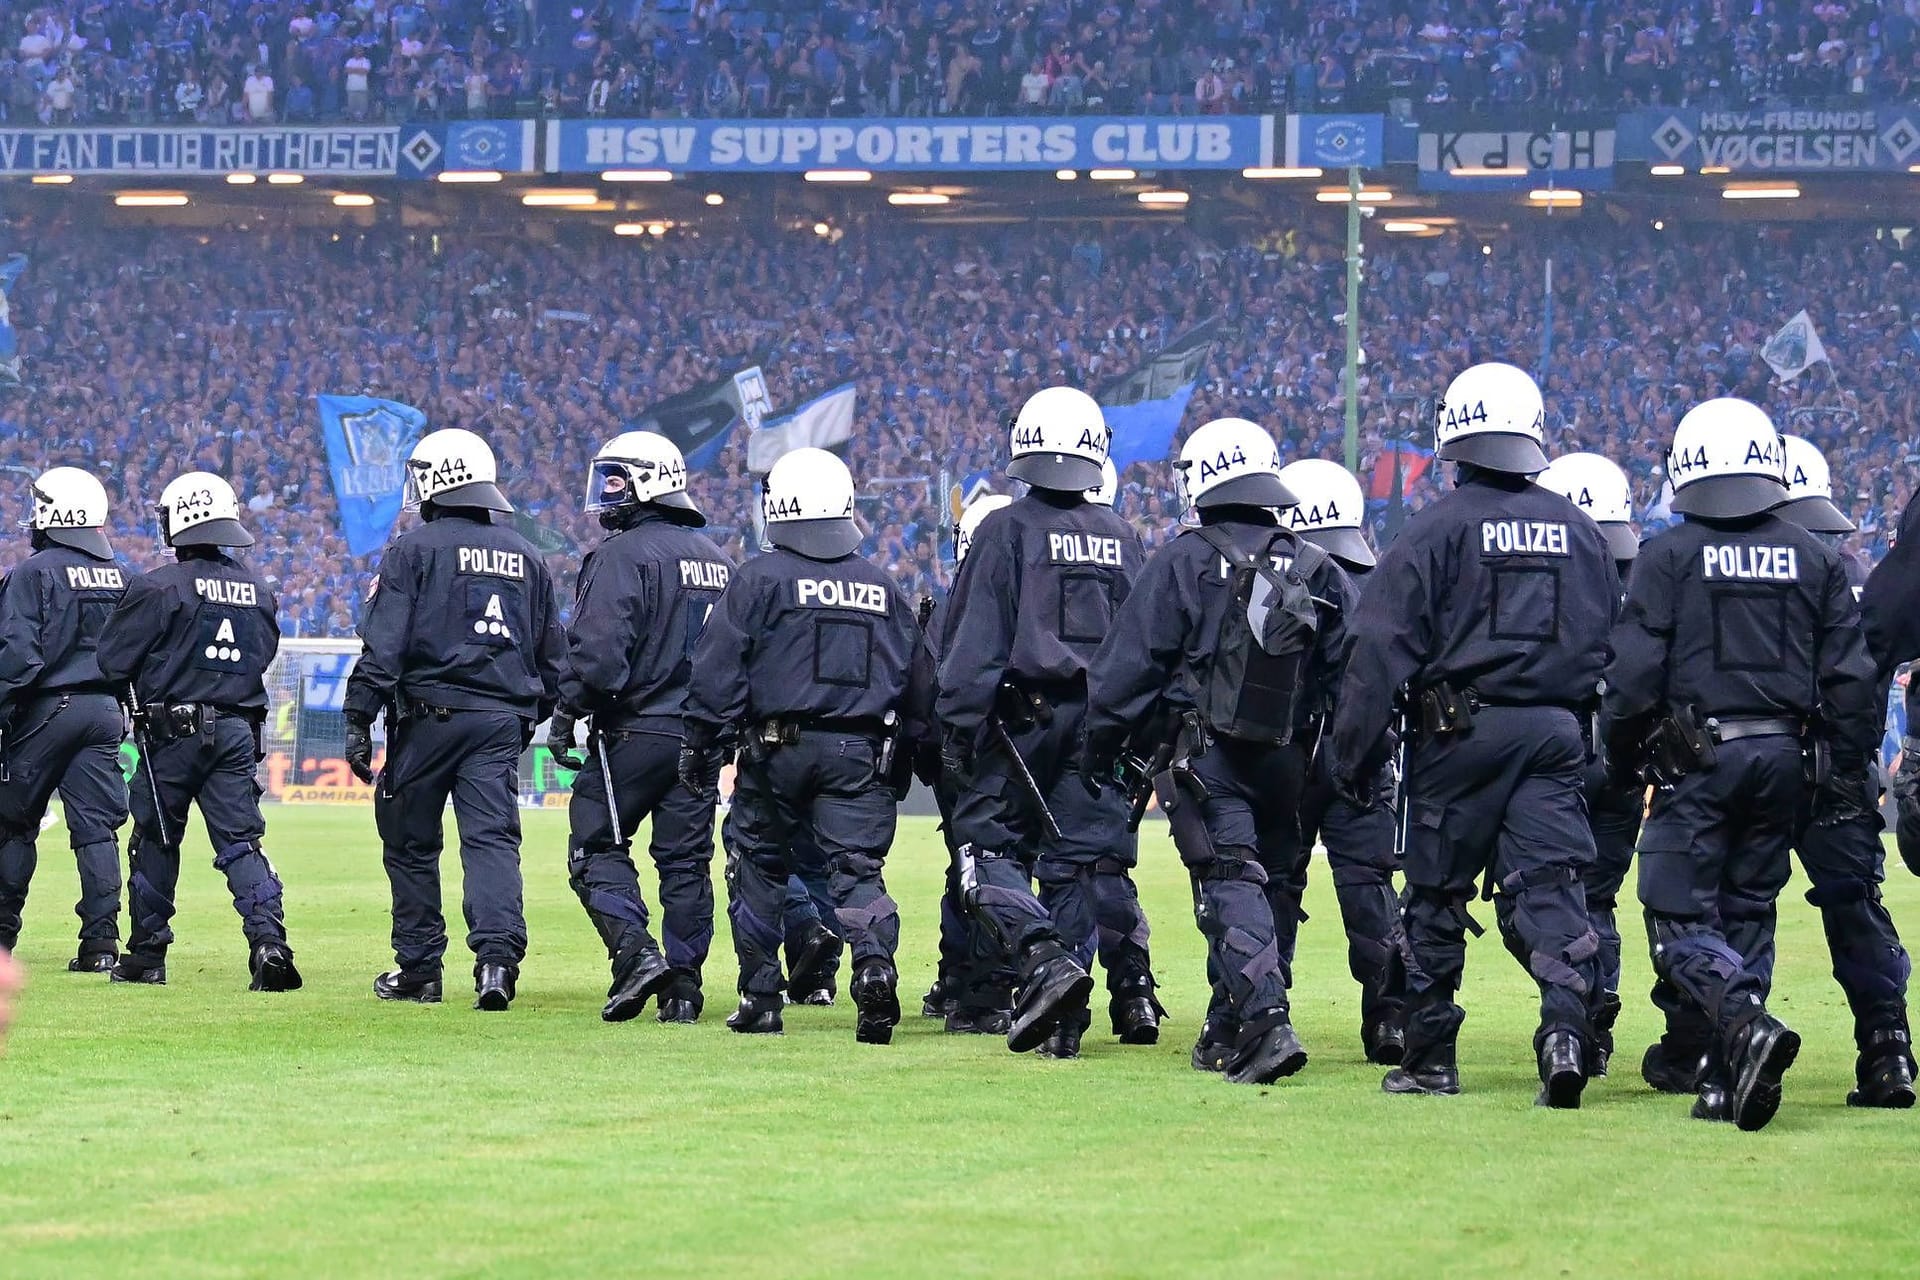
(367, 445)
(363, 151)
(1857, 139)
(938, 145)
(430, 149)
(9, 340)
(1143, 431)
(1335, 142)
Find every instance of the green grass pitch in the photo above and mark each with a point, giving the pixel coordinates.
(200, 1130)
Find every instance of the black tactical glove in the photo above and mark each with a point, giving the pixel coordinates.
(700, 766)
(956, 755)
(360, 749)
(1099, 752)
(560, 742)
(1849, 792)
(1906, 804)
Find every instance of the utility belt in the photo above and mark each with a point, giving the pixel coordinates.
(414, 709)
(173, 721)
(1685, 742)
(1439, 709)
(785, 731)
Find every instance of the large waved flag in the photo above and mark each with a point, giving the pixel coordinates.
(367, 445)
(1143, 409)
(9, 340)
(821, 423)
(1794, 349)
(699, 420)
(1398, 468)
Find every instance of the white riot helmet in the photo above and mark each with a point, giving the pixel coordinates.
(1599, 488)
(1726, 461)
(1109, 487)
(637, 467)
(1491, 417)
(1329, 511)
(808, 505)
(453, 467)
(970, 521)
(1231, 462)
(70, 507)
(1809, 501)
(199, 509)
(1059, 440)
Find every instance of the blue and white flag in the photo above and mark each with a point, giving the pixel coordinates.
(821, 423)
(367, 445)
(1143, 410)
(9, 340)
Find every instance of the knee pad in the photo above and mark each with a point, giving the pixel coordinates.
(1842, 893)
(228, 855)
(1550, 922)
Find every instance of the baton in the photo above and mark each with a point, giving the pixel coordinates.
(599, 746)
(1025, 777)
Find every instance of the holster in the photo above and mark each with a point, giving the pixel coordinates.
(1442, 709)
(1020, 709)
(1180, 792)
(1679, 744)
(172, 721)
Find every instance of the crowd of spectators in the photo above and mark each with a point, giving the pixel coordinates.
(230, 61)
(148, 354)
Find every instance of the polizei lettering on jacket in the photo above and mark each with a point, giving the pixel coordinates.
(1750, 564)
(831, 593)
(703, 575)
(1523, 538)
(82, 577)
(495, 564)
(227, 591)
(1083, 548)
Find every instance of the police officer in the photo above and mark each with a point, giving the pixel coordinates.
(461, 649)
(1845, 860)
(1232, 798)
(1740, 647)
(643, 597)
(807, 663)
(1034, 598)
(1086, 886)
(1890, 607)
(1615, 805)
(973, 984)
(63, 724)
(1359, 841)
(193, 640)
(1491, 609)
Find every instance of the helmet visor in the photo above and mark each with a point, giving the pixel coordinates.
(608, 486)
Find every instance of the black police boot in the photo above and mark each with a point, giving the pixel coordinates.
(1432, 1073)
(681, 1001)
(272, 967)
(939, 1002)
(1884, 1072)
(398, 984)
(1053, 985)
(127, 969)
(1671, 1068)
(1135, 1014)
(1215, 1043)
(1713, 1102)
(1265, 1050)
(1759, 1053)
(1600, 1050)
(493, 987)
(646, 976)
(965, 1021)
(1384, 1037)
(1063, 1044)
(875, 992)
(1562, 1076)
(93, 962)
(812, 965)
(756, 1016)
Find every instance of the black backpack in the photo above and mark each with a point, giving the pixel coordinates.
(1252, 692)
